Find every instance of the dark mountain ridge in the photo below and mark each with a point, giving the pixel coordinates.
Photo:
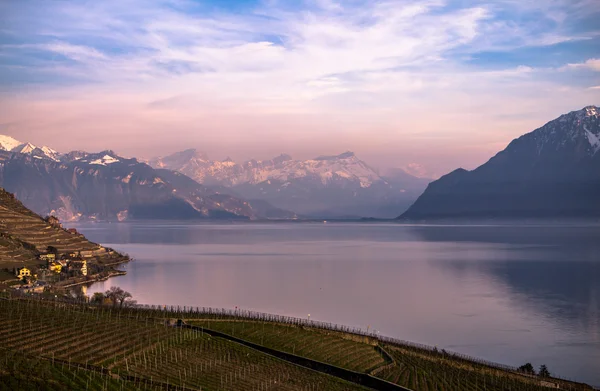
(552, 172)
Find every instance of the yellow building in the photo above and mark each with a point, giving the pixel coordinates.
(23, 272)
(55, 267)
(84, 268)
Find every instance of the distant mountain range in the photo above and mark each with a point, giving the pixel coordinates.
(105, 186)
(9, 144)
(552, 172)
(326, 186)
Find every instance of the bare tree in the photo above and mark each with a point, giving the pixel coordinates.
(117, 296)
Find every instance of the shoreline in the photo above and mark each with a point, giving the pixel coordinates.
(95, 278)
(368, 221)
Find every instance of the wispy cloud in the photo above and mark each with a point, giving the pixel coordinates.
(382, 64)
(591, 64)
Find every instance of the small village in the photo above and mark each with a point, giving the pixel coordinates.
(38, 255)
(54, 268)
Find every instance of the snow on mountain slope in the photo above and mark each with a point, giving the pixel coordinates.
(51, 153)
(339, 185)
(325, 168)
(26, 148)
(105, 160)
(578, 130)
(594, 140)
(283, 168)
(8, 143)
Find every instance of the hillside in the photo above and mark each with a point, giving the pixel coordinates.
(64, 345)
(82, 347)
(23, 235)
(552, 172)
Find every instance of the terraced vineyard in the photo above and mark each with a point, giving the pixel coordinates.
(34, 230)
(339, 349)
(420, 371)
(139, 349)
(412, 367)
(14, 253)
(23, 234)
(65, 346)
(195, 361)
(22, 372)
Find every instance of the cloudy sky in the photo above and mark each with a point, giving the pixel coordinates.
(439, 83)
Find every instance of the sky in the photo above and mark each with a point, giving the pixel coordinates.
(433, 83)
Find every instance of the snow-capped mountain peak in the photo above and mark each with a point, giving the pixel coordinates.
(323, 169)
(48, 151)
(339, 184)
(26, 148)
(8, 143)
(577, 131)
(105, 160)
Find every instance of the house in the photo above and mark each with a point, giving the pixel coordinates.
(22, 273)
(49, 257)
(78, 266)
(56, 267)
(72, 231)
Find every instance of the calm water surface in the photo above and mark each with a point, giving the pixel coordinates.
(506, 294)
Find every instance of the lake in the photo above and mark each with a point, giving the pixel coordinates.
(510, 294)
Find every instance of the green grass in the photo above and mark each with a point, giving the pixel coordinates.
(326, 346)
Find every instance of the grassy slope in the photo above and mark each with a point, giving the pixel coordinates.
(141, 347)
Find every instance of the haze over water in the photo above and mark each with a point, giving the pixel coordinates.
(510, 294)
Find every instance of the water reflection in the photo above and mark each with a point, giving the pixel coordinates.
(509, 294)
